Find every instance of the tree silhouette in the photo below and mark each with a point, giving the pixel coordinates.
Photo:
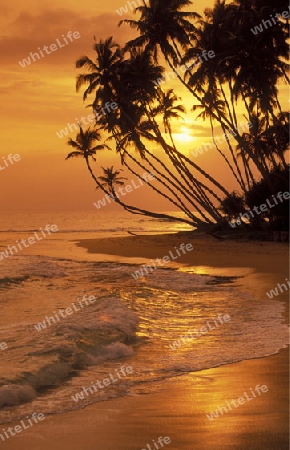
(240, 81)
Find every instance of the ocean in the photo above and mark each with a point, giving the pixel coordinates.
(78, 328)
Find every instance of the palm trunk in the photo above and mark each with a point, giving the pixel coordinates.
(183, 207)
(134, 210)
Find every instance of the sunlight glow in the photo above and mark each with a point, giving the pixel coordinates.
(184, 136)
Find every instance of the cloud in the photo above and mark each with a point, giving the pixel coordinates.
(28, 32)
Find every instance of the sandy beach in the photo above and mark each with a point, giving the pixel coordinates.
(144, 226)
(178, 408)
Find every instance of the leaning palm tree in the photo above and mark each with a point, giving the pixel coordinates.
(251, 75)
(164, 28)
(132, 85)
(246, 66)
(85, 147)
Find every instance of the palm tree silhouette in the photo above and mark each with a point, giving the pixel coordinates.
(85, 144)
(102, 72)
(110, 178)
(169, 109)
(163, 26)
(245, 71)
(132, 85)
(85, 147)
(248, 66)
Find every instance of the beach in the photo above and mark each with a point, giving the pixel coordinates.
(144, 226)
(178, 407)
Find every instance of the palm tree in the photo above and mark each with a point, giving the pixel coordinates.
(85, 144)
(110, 178)
(163, 26)
(169, 109)
(102, 71)
(133, 87)
(85, 147)
(267, 142)
(101, 77)
(277, 137)
(246, 66)
(252, 63)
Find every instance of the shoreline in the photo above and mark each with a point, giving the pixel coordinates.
(205, 248)
(178, 407)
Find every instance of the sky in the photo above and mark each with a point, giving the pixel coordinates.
(40, 99)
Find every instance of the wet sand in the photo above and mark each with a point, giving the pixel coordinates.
(179, 407)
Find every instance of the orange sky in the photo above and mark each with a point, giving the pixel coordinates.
(40, 99)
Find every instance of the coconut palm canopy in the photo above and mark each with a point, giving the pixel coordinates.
(238, 79)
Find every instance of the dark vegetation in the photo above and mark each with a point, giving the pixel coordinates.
(240, 83)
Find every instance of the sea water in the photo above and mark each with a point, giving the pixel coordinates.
(164, 325)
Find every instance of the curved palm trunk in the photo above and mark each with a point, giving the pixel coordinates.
(183, 171)
(191, 179)
(177, 163)
(201, 171)
(185, 210)
(197, 97)
(222, 121)
(168, 149)
(233, 118)
(243, 182)
(181, 206)
(200, 195)
(135, 210)
(239, 181)
(194, 205)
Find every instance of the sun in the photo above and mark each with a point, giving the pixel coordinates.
(184, 136)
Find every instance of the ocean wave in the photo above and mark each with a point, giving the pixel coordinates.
(132, 321)
(99, 333)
